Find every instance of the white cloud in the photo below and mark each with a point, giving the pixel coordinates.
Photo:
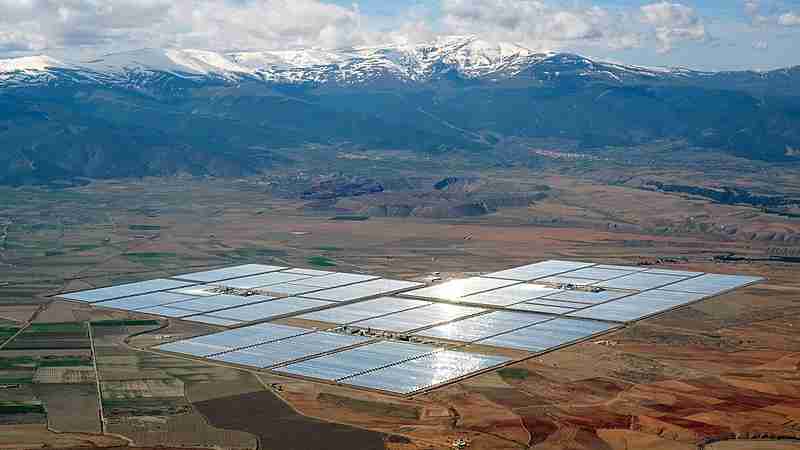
(673, 22)
(760, 45)
(538, 24)
(789, 19)
(88, 25)
(755, 10)
(751, 7)
(211, 24)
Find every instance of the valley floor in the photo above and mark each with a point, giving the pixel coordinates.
(725, 368)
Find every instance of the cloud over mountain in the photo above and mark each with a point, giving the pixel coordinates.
(605, 28)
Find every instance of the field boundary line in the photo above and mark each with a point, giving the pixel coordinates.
(25, 325)
(97, 380)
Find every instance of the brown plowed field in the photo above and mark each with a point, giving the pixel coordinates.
(279, 427)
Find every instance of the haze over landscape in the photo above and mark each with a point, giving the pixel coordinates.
(407, 225)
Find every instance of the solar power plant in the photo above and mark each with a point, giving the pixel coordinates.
(125, 290)
(514, 309)
(335, 280)
(271, 309)
(364, 290)
(456, 289)
(144, 301)
(641, 281)
(287, 350)
(484, 326)
(257, 281)
(547, 335)
(425, 372)
(559, 303)
(358, 360)
(405, 321)
(217, 302)
(510, 295)
(227, 273)
(638, 306)
(539, 270)
(368, 309)
(713, 283)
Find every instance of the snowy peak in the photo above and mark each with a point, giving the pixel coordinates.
(29, 63)
(177, 62)
(466, 56)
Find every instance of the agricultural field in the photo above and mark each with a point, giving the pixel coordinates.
(50, 365)
(144, 394)
(46, 336)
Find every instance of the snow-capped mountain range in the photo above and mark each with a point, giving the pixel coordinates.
(466, 57)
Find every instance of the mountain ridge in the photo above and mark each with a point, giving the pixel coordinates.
(469, 57)
(161, 112)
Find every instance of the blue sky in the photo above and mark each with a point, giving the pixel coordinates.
(736, 37)
(709, 34)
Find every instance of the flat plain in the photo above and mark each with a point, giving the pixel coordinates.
(709, 374)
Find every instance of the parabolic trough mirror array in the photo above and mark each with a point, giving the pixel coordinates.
(402, 337)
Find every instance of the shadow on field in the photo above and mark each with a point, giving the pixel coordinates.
(279, 427)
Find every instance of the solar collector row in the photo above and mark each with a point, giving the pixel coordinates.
(638, 306)
(125, 290)
(641, 281)
(291, 349)
(547, 335)
(228, 273)
(335, 280)
(365, 289)
(546, 309)
(483, 326)
(144, 301)
(271, 309)
(229, 340)
(218, 302)
(405, 321)
(258, 281)
(358, 360)
(211, 320)
(456, 289)
(425, 372)
(713, 284)
(539, 270)
(355, 312)
(509, 295)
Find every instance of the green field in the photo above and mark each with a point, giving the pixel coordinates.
(321, 261)
(61, 327)
(511, 373)
(144, 227)
(63, 361)
(357, 218)
(7, 332)
(9, 407)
